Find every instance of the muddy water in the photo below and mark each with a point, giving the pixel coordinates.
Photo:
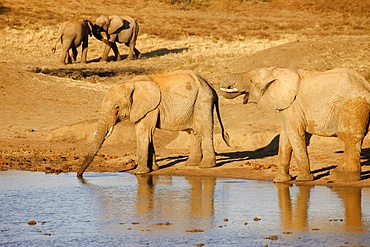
(120, 209)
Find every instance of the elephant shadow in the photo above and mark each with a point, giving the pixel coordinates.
(270, 150)
(365, 157)
(3, 9)
(155, 53)
(80, 73)
(225, 158)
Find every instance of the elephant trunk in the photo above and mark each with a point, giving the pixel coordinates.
(103, 131)
(96, 32)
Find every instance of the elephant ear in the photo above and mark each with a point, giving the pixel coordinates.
(279, 87)
(145, 98)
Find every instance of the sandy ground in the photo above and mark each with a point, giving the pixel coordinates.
(48, 110)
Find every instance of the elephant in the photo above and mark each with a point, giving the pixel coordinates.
(333, 103)
(71, 34)
(177, 101)
(121, 29)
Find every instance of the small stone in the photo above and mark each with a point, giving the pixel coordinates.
(273, 237)
(194, 230)
(31, 222)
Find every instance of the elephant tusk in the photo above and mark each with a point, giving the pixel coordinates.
(109, 132)
(229, 90)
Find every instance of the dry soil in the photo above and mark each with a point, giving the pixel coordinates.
(48, 110)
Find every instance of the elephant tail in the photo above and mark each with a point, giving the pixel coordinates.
(60, 37)
(225, 135)
(55, 45)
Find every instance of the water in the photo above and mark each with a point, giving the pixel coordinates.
(120, 209)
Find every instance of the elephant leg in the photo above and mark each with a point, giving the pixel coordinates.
(352, 133)
(152, 156)
(132, 50)
(104, 58)
(298, 142)
(74, 54)
(116, 52)
(195, 155)
(137, 53)
(284, 157)
(350, 168)
(143, 138)
(85, 45)
(208, 151)
(65, 58)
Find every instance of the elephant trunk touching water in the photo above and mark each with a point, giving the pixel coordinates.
(179, 101)
(103, 130)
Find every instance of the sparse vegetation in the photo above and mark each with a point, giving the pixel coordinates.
(221, 19)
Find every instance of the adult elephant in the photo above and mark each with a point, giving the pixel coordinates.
(72, 34)
(180, 101)
(330, 103)
(117, 29)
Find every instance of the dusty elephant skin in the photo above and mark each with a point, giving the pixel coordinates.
(72, 34)
(179, 101)
(121, 29)
(331, 103)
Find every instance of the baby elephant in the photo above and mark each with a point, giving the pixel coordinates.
(71, 34)
(329, 103)
(179, 101)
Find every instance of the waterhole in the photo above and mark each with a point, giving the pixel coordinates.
(120, 209)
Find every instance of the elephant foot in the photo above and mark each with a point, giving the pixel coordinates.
(304, 177)
(207, 163)
(141, 170)
(282, 177)
(192, 162)
(341, 174)
(155, 166)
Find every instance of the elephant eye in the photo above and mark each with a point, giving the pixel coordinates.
(117, 107)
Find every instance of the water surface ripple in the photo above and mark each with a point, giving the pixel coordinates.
(120, 209)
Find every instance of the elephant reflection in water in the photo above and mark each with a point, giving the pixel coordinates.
(199, 205)
(297, 219)
(351, 198)
(202, 194)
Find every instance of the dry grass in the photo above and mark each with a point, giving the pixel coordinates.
(185, 34)
(220, 19)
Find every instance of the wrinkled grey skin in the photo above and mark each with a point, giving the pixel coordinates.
(179, 101)
(121, 29)
(72, 34)
(330, 103)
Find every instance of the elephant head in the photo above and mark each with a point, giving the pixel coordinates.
(129, 100)
(103, 23)
(276, 87)
(89, 26)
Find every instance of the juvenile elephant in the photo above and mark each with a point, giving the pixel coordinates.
(117, 29)
(330, 103)
(71, 34)
(180, 101)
